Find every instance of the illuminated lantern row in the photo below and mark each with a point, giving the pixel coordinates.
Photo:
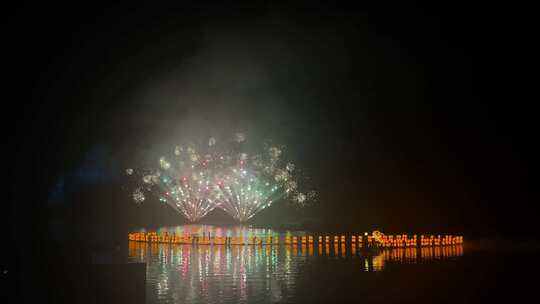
(376, 240)
(403, 240)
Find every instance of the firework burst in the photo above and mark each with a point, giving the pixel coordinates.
(196, 180)
(184, 182)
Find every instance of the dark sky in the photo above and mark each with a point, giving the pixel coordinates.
(400, 114)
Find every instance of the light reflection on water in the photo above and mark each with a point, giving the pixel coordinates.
(199, 230)
(256, 274)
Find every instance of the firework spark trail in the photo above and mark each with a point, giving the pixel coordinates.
(195, 181)
(189, 195)
(188, 186)
(256, 183)
(242, 194)
(183, 183)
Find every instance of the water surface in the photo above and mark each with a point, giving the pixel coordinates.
(267, 274)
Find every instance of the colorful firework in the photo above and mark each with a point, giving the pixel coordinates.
(255, 183)
(195, 181)
(184, 182)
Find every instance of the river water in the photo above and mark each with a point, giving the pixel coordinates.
(312, 274)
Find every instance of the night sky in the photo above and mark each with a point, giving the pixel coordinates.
(400, 115)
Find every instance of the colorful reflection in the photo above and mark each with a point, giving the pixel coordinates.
(178, 273)
(217, 231)
(216, 274)
(237, 274)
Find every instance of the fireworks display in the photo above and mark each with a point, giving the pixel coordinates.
(196, 179)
